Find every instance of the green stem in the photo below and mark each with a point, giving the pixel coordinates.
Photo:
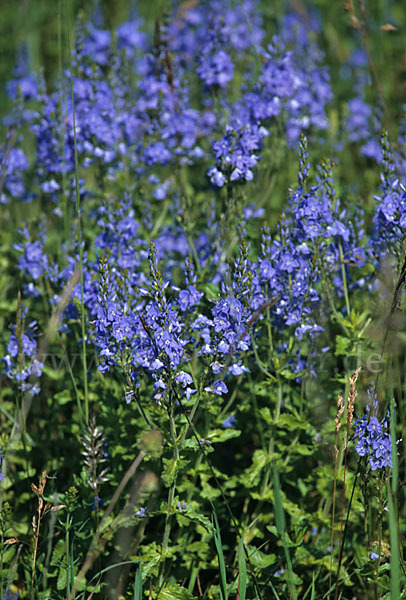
(65, 200)
(347, 301)
(67, 557)
(1, 552)
(271, 445)
(77, 194)
(171, 495)
(192, 414)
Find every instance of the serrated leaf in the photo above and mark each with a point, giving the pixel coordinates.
(175, 592)
(292, 422)
(171, 468)
(58, 553)
(222, 435)
(342, 345)
(260, 460)
(303, 449)
(260, 559)
(150, 559)
(266, 415)
(196, 517)
(61, 582)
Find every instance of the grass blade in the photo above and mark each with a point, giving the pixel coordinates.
(222, 564)
(242, 568)
(393, 520)
(138, 583)
(281, 527)
(394, 549)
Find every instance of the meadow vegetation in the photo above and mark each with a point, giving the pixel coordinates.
(203, 389)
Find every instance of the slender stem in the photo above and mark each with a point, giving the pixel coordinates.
(65, 200)
(345, 288)
(271, 445)
(192, 414)
(171, 495)
(77, 194)
(36, 538)
(340, 540)
(2, 530)
(348, 516)
(67, 543)
(333, 514)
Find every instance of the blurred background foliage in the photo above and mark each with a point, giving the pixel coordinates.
(35, 24)
(40, 27)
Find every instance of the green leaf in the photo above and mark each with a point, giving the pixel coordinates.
(175, 592)
(63, 397)
(281, 526)
(266, 415)
(260, 559)
(197, 517)
(58, 553)
(53, 374)
(61, 582)
(222, 435)
(171, 469)
(287, 374)
(292, 422)
(242, 569)
(304, 449)
(260, 460)
(342, 345)
(150, 559)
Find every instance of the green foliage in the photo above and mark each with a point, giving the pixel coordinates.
(190, 508)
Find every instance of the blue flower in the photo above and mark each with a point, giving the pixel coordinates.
(229, 422)
(215, 68)
(219, 388)
(373, 438)
(97, 503)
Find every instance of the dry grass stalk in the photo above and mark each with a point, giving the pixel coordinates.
(42, 510)
(340, 411)
(352, 395)
(350, 413)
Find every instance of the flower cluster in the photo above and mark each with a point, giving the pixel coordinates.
(141, 121)
(14, 162)
(390, 215)
(372, 438)
(215, 66)
(21, 364)
(141, 117)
